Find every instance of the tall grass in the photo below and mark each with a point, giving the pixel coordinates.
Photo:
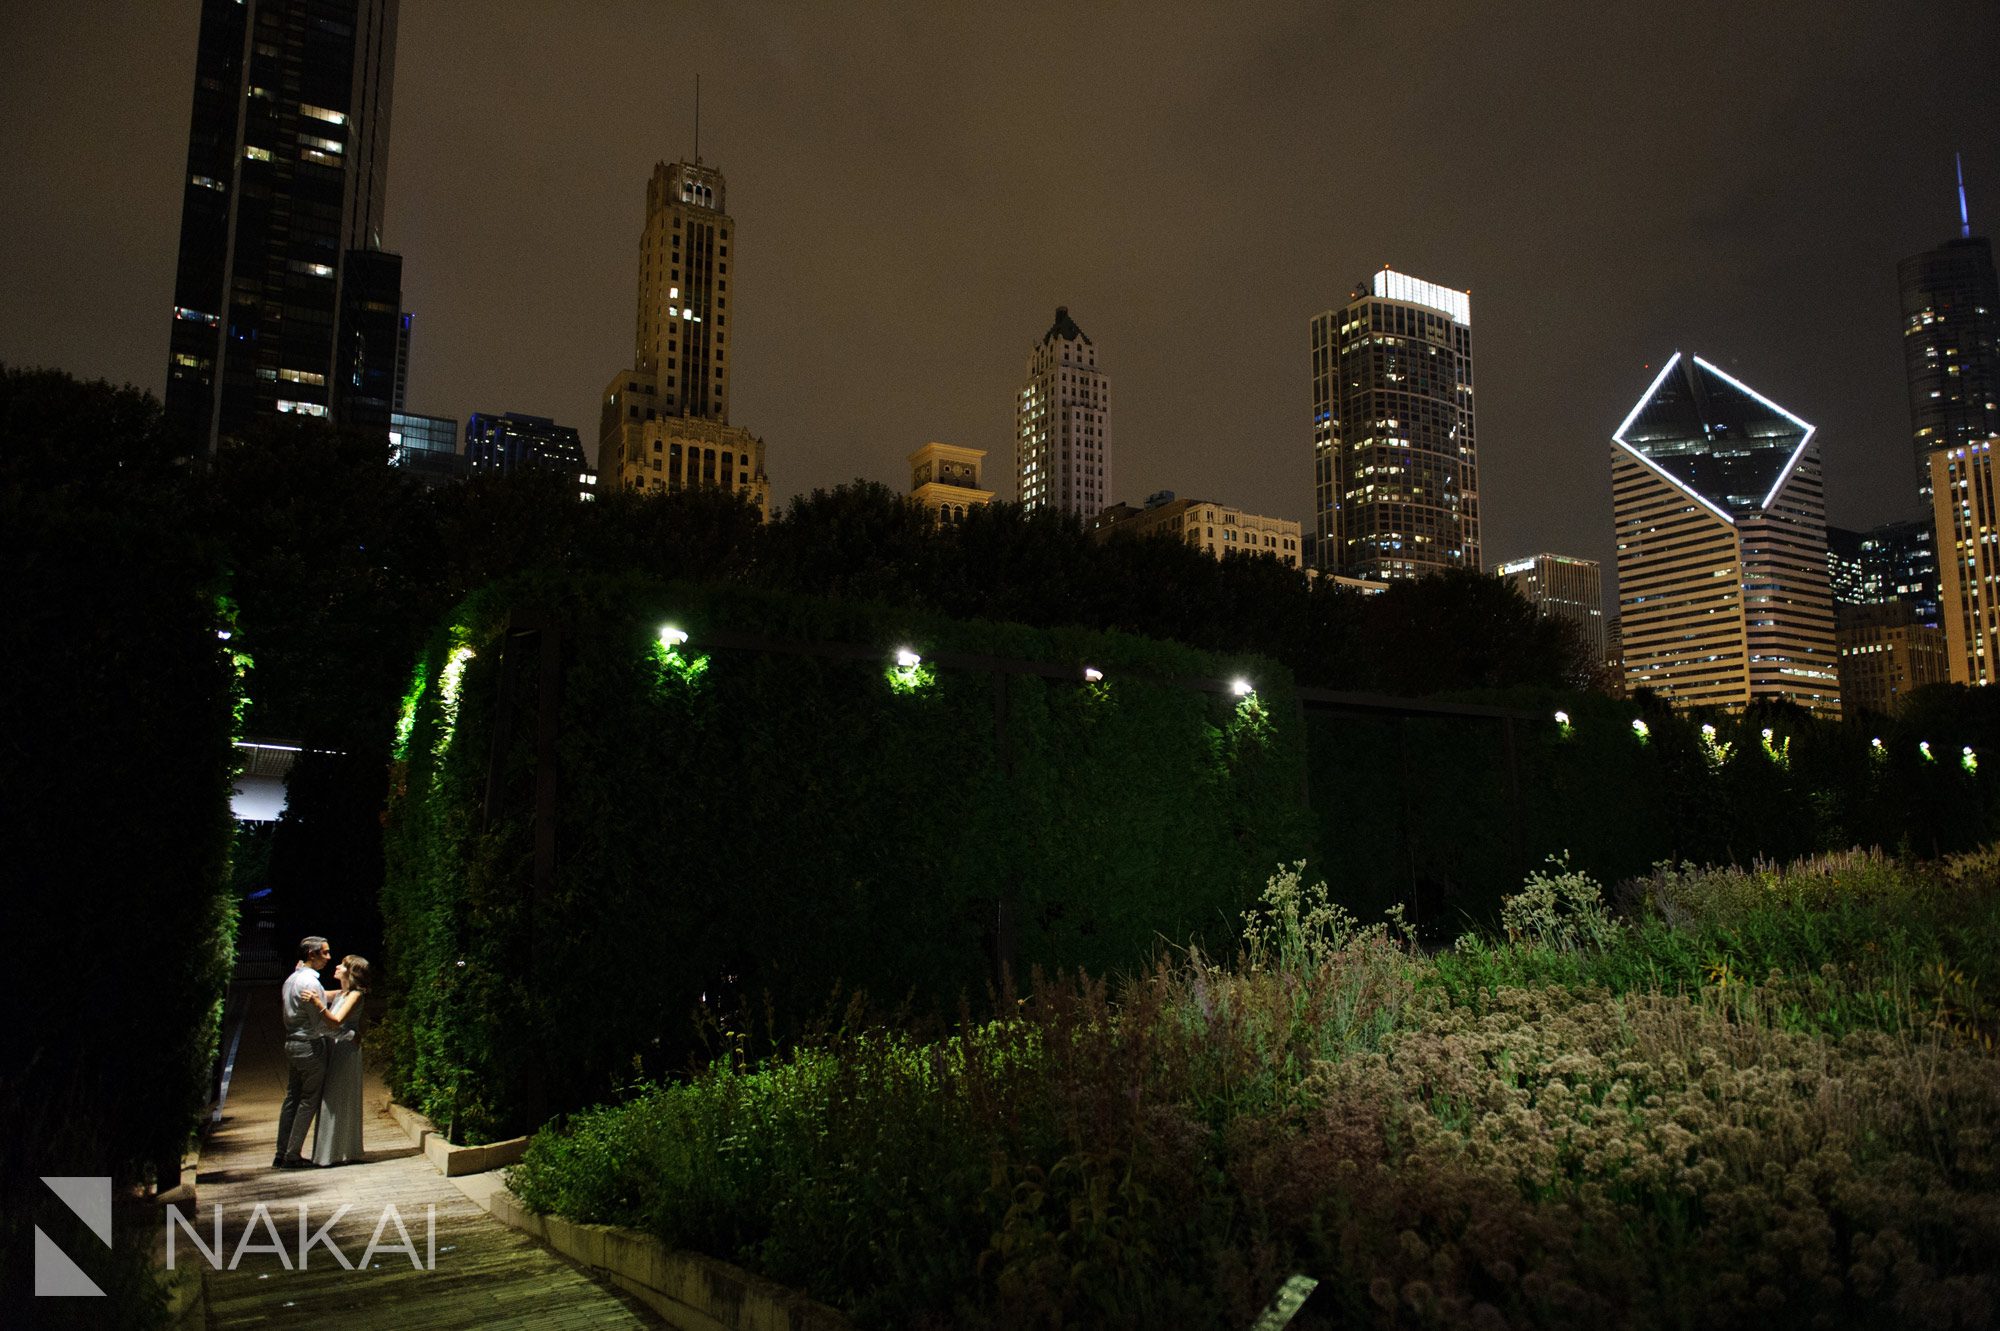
(1754, 1097)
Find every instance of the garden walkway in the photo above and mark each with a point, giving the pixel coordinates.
(485, 1274)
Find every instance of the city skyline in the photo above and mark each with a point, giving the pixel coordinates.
(868, 329)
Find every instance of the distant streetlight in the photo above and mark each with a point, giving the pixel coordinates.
(1092, 675)
(671, 636)
(1241, 687)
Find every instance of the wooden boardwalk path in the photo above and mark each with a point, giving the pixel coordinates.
(485, 1274)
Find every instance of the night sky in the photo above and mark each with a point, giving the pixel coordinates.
(916, 188)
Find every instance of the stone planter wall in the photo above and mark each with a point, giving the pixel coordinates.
(690, 1291)
(450, 1160)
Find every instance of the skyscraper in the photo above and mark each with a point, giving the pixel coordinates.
(1062, 424)
(665, 423)
(1951, 344)
(1561, 587)
(1723, 594)
(1966, 502)
(1395, 465)
(288, 152)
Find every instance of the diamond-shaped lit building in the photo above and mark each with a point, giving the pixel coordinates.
(1723, 594)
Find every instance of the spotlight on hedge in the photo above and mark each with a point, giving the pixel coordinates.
(1562, 718)
(1924, 747)
(910, 674)
(1092, 675)
(1968, 759)
(1241, 687)
(669, 656)
(1641, 729)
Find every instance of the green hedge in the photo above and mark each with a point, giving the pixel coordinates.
(118, 702)
(772, 832)
(1427, 818)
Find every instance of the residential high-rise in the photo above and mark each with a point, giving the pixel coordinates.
(1395, 464)
(1966, 505)
(1561, 587)
(1951, 349)
(665, 423)
(945, 479)
(1951, 344)
(280, 273)
(1062, 424)
(1722, 555)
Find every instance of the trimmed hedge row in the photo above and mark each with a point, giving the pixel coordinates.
(757, 827)
(1426, 816)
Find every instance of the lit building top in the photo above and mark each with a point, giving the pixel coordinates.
(1714, 436)
(1389, 284)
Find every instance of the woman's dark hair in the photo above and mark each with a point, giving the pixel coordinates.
(357, 971)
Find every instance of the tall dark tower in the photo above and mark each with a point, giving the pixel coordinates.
(1951, 344)
(1395, 465)
(284, 301)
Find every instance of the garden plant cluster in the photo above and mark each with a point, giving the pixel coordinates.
(1721, 1097)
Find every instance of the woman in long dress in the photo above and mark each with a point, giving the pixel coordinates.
(337, 1136)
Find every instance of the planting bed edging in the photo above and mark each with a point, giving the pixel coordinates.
(690, 1291)
(449, 1160)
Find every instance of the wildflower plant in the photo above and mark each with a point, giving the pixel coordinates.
(1563, 909)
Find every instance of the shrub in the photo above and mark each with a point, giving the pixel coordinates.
(1438, 1140)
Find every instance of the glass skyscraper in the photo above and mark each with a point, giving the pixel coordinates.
(1951, 348)
(284, 303)
(1723, 591)
(1395, 463)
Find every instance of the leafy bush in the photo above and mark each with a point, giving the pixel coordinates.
(1563, 910)
(1537, 1131)
(874, 829)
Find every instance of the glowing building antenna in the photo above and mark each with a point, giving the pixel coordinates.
(1964, 217)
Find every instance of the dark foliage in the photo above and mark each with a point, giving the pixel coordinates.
(748, 832)
(116, 701)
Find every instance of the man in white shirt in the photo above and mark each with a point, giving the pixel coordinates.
(307, 1024)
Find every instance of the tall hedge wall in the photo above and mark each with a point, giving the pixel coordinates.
(748, 825)
(1421, 811)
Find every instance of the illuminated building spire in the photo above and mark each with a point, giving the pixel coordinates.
(1964, 217)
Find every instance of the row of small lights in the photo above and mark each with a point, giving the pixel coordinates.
(908, 659)
(1967, 757)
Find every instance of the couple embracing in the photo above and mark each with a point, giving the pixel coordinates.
(323, 1050)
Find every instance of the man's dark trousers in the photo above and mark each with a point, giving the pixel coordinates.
(307, 1059)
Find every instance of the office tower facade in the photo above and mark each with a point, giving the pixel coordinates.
(665, 421)
(945, 481)
(1564, 588)
(1884, 654)
(1845, 577)
(1951, 347)
(426, 447)
(1395, 459)
(1062, 424)
(1723, 594)
(1214, 529)
(1895, 562)
(508, 441)
(1966, 507)
(288, 153)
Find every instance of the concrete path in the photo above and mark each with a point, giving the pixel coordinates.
(484, 1274)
